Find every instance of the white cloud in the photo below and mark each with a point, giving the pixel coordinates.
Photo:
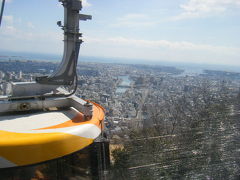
(133, 17)
(181, 51)
(15, 34)
(30, 25)
(134, 20)
(59, 5)
(182, 45)
(203, 8)
(85, 3)
(16, 38)
(9, 30)
(8, 19)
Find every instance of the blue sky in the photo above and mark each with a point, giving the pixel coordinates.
(196, 31)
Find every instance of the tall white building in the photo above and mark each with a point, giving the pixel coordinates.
(2, 75)
(20, 76)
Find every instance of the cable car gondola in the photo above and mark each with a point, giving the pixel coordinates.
(41, 120)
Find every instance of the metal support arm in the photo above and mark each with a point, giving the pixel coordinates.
(66, 72)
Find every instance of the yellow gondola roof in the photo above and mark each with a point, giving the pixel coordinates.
(41, 136)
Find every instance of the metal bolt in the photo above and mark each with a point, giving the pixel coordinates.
(24, 106)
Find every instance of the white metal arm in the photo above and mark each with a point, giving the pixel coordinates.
(66, 72)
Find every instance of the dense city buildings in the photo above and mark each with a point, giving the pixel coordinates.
(127, 92)
(196, 110)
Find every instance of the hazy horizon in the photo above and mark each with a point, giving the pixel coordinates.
(6, 55)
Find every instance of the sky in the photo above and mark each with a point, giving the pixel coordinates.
(196, 31)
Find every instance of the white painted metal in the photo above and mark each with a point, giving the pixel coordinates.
(36, 103)
(20, 89)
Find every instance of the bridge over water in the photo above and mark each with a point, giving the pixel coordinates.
(124, 86)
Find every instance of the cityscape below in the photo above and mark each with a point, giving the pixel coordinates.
(155, 101)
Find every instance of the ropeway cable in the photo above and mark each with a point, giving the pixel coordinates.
(1, 13)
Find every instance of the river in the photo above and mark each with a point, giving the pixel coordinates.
(125, 82)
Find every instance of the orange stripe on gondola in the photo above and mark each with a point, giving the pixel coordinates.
(97, 118)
